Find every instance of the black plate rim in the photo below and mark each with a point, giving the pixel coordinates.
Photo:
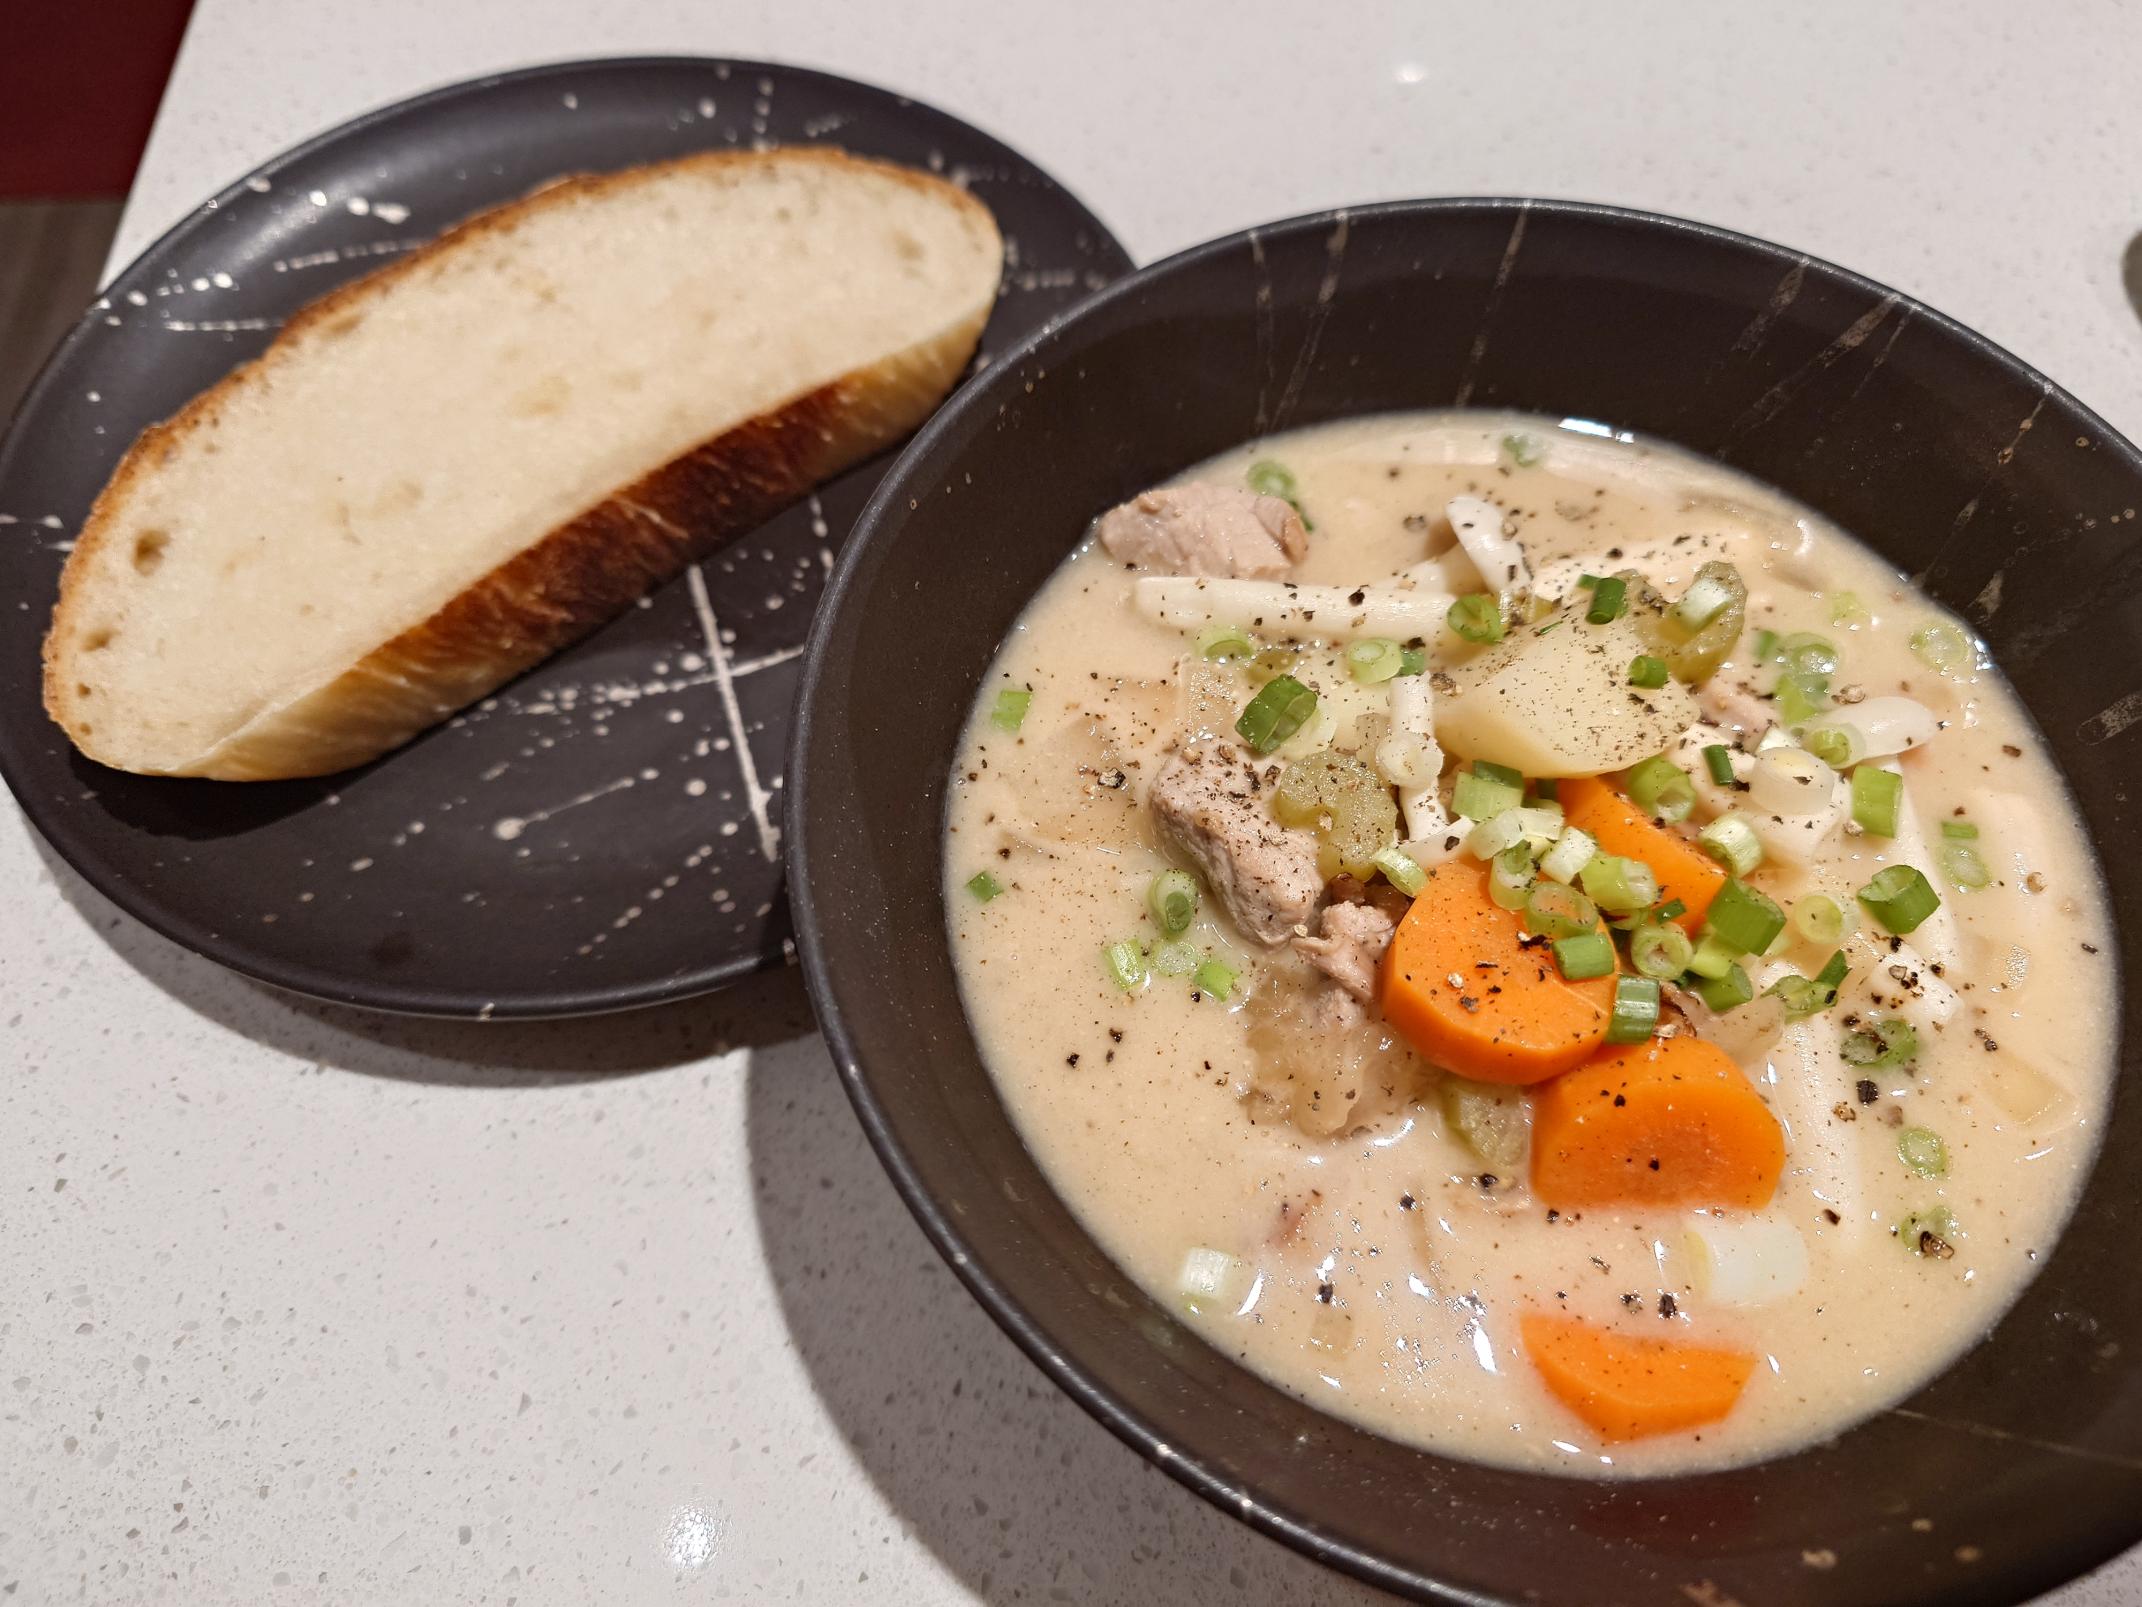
(1267, 1517)
(54, 826)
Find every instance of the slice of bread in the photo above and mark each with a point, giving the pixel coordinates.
(443, 472)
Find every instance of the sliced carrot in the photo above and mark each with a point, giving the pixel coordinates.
(1668, 1122)
(1463, 990)
(1684, 871)
(1626, 1386)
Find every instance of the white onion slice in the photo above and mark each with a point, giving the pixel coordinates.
(1791, 781)
(1885, 725)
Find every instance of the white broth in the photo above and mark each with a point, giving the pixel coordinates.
(1350, 1244)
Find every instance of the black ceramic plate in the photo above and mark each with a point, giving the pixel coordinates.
(2017, 1468)
(604, 831)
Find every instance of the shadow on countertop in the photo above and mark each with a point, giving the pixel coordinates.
(1008, 1482)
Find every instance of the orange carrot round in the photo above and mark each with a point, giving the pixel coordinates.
(1463, 990)
(1626, 1386)
(1684, 870)
(1668, 1122)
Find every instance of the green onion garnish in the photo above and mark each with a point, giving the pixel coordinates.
(1619, 885)
(1477, 618)
(1932, 1232)
(1848, 611)
(1661, 789)
(1173, 900)
(1647, 672)
(1270, 478)
(1713, 957)
(1175, 959)
(1010, 711)
(1214, 979)
(1961, 864)
(1834, 745)
(1879, 1041)
(984, 886)
(1587, 582)
(1900, 897)
(1766, 646)
(1225, 641)
(1800, 995)
(1732, 842)
(1373, 660)
(1706, 598)
(1610, 600)
(1402, 871)
(1801, 695)
(1413, 661)
(1728, 992)
(1584, 956)
(1818, 919)
(1718, 759)
(1555, 909)
(1572, 851)
(1877, 797)
(1125, 962)
(1673, 909)
(1746, 920)
(1523, 450)
(1808, 653)
(1921, 1149)
(1661, 950)
(1511, 878)
(1831, 977)
(1941, 646)
(1279, 710)
(1962, 830)
(1636, 1010)
(1482, 792)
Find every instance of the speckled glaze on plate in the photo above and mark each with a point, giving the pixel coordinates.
(603, 832)
(2009, 501)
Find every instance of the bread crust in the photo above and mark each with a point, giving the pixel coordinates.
(569, 581)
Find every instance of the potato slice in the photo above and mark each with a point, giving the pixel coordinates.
(1554, 699)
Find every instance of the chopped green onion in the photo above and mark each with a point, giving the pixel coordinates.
(1225, 641)
(1523, 450)
(1214, 979)
(1610, 600)
(1660, 950)
(1818, 919)
(1512, 877)
(1175, 959)
(1808, 653)
(1279, 710)
(1900, 897)
(1801, 695)
(1930, 1233)
(1941, 646)
(1413, 661)
(1961, 864)
(1728, 992)
(1848, 611)
(1010, 711)
(1173, 900)
(1572, 851)
(1839, 745)
(1402, 871)
(1672, 909)
(1619, 885)
(1374, 660)
(1486, 790)
(1584, 956)
(1706, 598)
(1647, 672)
(1636, 1010)
(1766, 646)
(1661, 789)
(1271, 662)
(1831, 977)
(1713, 957)
(1268, 477)
(1538, 828)
(1732, 842)
(1587, 582)
(1879, 1041)
(1126, 965)
(1477, 618)
(1718, 759)
(1800, 996)
(1746, 919)
(1921, 1149)
(1877, 797)
(1962, 830)
(984, 886)
(1554, 909)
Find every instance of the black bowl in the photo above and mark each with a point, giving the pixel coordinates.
(2019, 1467)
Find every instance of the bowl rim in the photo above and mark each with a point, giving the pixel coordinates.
(974, 397)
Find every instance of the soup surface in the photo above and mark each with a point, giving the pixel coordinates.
(1409, 1177)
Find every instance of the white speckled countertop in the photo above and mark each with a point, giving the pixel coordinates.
(312, 1307)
